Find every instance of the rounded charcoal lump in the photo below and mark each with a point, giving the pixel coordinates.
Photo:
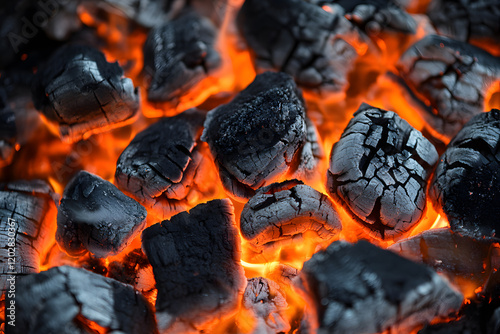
(379, 169)
(466, 184)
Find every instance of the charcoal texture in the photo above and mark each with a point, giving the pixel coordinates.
(78, 89)
(95, 216)
(8, 131)
(179, 54)
(133, 269)
(258, 135)
(373, 16)
(379, 170)
(452, 77)
(458, 257)
(196, 264)
(360, 288)
(27, 211)
(72, 300)
(301, 39)
(466, 20)
(465, 186)
(266, 305)
(159, 165)
(281, 213)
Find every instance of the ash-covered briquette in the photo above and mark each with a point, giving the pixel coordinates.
(73, 300)
(259, 135)
(301, 39)
(83, 93)
(466, 20)
(159, 166)
(178, 55)
(466, 185)
(452, 77)
(8, 131)
(373, 16)
(360, 288)
(95, 216)
(458, 257)
(378, 171)
(27, 224)
(282, 213)
(266, 305)
(196, 264)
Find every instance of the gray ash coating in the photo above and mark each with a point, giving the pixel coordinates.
(95, 216)
(65, 300)
(466, 183)
(78, 89)
(158, 166)
(258, 134)
(452, 77)
(360, 288)
(379, 169)
(196, 265)
(300, 39)
(466, 20)
(179, 54)
(283, 212)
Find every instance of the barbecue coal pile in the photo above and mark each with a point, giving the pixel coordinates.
(249, 166)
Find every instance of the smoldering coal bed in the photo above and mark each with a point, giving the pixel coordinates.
(249, 166)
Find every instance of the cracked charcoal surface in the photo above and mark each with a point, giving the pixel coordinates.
(30, 205)
(159, 165)
(450, 253)
(196, 264)
(300, 39)
(360, 288)
(378, 171)
(257, 136)
(266, 303)
(466, 20)
(78, 89)
(8, 131)
(466, 186)
(453, 77)
(281, 213)
(135, 270)
(65, 299)
(95, 216)
(179, 54)
(373, 16)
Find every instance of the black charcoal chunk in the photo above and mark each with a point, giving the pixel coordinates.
(373, 16)
(458, 257)
(257, 136)
(379, 170)
(452, 77)
(178, 55)
(159, 165)
(360, 288)
(8, 131)
(466, 20)
(196, 264)
(265, 303)
(83, 93)
(72, 300)
(282, 213)
(27, 225)
(95, 216)
(301, 39)
(466, 186)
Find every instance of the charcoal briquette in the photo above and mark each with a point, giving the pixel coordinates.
(379, 170)
(94, 216)
(83, 93)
